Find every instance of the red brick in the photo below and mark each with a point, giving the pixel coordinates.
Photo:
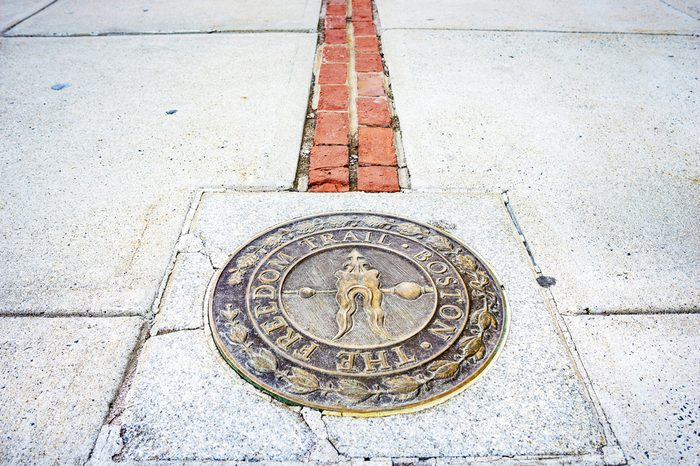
(329, 179)
(333, 97)
(370, 84)
(329, 188)
(337, 2)
(362, 14)
(368, 62)
(334, 22)
(334, 36)
(373, 111)
(331, 128)
(362, 3)
(364, 28)
(333, 74)
(340, 10)
(335, 54)
(378, 179)
(368, 44)
(376, 146)
(328, 157)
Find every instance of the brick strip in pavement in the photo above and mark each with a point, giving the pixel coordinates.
(354, 138)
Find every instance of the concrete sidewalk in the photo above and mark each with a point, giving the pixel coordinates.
(142, 142)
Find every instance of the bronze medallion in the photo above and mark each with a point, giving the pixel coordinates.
(357, 313)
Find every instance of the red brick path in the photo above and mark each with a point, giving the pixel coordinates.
(353, 114)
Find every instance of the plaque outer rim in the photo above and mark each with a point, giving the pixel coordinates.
(412, 408)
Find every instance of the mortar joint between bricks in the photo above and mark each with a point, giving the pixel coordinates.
(353, 155)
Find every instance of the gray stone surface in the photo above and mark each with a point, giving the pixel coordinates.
(593, 136)
(14, 11)
(57, 379)
(646, 373)
(185, 403)
(181, 305)
(689, 7)
(638, 16)
(182, 384)
(97, 178)
(70, 17)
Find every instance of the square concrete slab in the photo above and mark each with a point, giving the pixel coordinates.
(646, 373)
(57, 380)
(185, 403)
(104, 148)
(590, 16)
(14, 11)
(593, 137)
(81, 17)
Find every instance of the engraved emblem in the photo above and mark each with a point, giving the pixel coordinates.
(357, 313)
(358, 280)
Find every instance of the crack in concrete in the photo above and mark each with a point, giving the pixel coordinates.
(168, 331)
(139, 241)
(328, 437)
(316, 423)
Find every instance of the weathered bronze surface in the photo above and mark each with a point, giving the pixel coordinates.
(356, 313)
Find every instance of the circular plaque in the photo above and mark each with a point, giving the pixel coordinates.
(357, 313)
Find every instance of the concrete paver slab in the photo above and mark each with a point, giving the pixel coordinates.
(97, 178)
(186, 404)
(646, 373)
(589, 16)
(183, 393)
(14, 11)
(79, 17)
(57, 380)
(593, 136)
(183, 294)
(689, 7)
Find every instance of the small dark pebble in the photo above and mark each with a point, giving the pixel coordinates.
(170, 112)
(545, 281)
(59, 86)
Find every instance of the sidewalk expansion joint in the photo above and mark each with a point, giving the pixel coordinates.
(117, 406)
(70, 314)
(612, 447)
(630, 312)
(157, 33)
(675, 8)
(351, 138)
(18, 22)
(548, 281)
(547, 31)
